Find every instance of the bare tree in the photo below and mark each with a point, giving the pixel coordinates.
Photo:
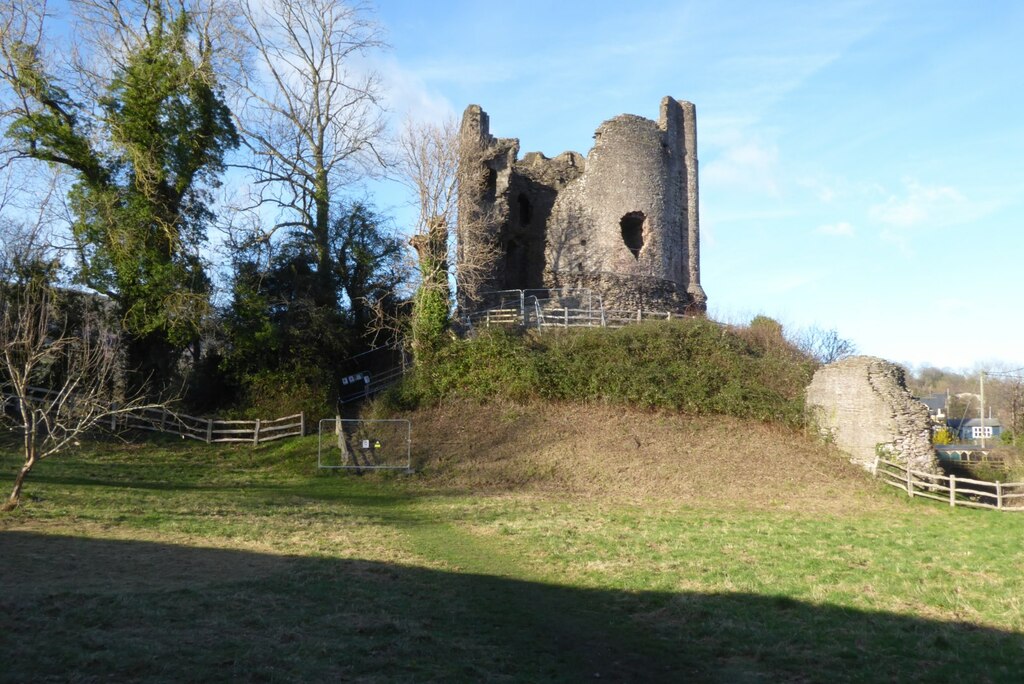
(1004, 394)
(477, 249)
(825, 345)
(59, 364)
(428, 164)
(312, 119)
(1015, 386)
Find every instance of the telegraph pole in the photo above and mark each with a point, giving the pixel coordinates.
(982, 380)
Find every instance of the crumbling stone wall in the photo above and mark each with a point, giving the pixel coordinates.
(862, 404)
(623, 221)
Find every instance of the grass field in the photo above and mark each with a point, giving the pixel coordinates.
(504, 559)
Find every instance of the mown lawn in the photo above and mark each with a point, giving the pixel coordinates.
(181, 562)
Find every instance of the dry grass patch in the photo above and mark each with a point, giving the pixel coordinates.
(626, 455)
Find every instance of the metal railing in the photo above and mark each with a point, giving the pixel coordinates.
(569, 318)
(370, 384)
(563, 308)
(371, 372)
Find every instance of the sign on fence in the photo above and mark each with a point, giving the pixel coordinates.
(364, 444)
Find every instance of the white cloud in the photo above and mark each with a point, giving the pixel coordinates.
(921, 205)
(826, 191)
(841, 229)
(745, 164)
(408, 95)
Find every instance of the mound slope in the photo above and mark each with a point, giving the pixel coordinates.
(625, 454)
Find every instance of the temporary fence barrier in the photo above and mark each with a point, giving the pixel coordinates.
(364, 444)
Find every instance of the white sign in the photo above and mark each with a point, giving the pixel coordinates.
(366, 444)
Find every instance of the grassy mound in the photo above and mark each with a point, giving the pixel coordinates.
(622, 454)
(694, 366)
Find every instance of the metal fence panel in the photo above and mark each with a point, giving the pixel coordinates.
(364, 444)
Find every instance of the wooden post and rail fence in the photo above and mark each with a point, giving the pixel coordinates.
(956, 491)
(211, 430)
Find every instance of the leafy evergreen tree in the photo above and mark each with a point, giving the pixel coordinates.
(276, 324)
(145, 153)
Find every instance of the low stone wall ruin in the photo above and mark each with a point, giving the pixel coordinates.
(862, 404)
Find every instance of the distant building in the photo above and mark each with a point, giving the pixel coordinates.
(936, 404)
(973, 430)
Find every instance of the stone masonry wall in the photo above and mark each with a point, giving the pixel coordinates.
(862, 404)
(622, 221)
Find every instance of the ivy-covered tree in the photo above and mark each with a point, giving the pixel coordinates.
(144, 130)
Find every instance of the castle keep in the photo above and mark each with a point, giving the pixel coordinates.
(621, 222)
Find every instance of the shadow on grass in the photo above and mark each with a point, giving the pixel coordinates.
(76, 609)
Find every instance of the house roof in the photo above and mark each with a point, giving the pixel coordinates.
(934, 402)
(976, 422)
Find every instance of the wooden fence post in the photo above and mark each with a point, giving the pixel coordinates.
(874, 466)
(999, 494)
(302, 419)
(639, 315)
(910, 484)
(952, 490)
(113, 416)
(163, 419)
(209, 430)
(256, 433)
(339, 432)
(565, 314)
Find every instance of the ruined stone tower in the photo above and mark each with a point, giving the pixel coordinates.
(622, 222)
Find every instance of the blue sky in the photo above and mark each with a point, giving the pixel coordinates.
(861, 162)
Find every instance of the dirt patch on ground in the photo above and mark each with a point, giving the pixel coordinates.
(625, 454)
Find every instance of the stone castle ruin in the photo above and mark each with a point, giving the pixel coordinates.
(621, 222)
(862, 404)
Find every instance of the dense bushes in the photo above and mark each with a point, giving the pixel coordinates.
(694, 366)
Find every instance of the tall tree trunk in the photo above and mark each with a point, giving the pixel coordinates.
(326, 295)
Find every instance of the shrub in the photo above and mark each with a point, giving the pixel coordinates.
(694, 366)
(273, 394)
